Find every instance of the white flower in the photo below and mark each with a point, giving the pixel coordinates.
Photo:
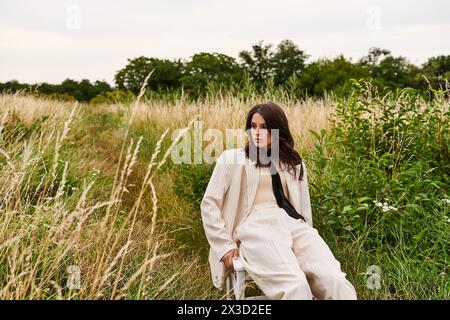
(378, 204)
(384, 206)
(447, 200)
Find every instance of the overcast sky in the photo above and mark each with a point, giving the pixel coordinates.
(49, 41)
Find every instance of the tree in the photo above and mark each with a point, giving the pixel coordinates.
(166, 74)
(374, 57)
(437, 70)
(102, 86)
(389, 71)
(288, 61)
(72, 88)
(215, 68)
(14, 86)
(325, 75)
(263, 63)
(258, 63)
(47, 88)
(397, 72)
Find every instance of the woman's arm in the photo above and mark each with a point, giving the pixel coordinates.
(305, 201)
(211, 207)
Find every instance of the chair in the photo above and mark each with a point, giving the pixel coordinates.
(237, 281)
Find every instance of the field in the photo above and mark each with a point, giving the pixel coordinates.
(92, 206)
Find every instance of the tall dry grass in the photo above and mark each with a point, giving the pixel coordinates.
(43, 234)
(229, 112)
(57, 215)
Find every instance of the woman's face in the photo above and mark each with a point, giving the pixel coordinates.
(260, 133)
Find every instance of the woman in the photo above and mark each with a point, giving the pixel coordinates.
(257, 205)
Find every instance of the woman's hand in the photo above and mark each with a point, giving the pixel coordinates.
(228, 259)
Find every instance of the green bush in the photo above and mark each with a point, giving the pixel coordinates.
(190, 184)
(381, 187)
(114, 96)
(192, 181)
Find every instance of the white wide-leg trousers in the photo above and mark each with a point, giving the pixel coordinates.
(288, 259)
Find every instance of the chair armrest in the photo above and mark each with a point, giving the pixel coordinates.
(238, 279)
(238, 264)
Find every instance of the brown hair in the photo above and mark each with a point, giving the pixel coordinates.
(275, 118)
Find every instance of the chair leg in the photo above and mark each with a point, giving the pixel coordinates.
(236, 282)
(228, 284)
(239, 284)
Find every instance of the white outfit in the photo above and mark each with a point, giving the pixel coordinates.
(285, 257)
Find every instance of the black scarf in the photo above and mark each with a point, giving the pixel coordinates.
(277, 187)
(282, 201)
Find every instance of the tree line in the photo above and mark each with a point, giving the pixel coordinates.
(263, 66)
